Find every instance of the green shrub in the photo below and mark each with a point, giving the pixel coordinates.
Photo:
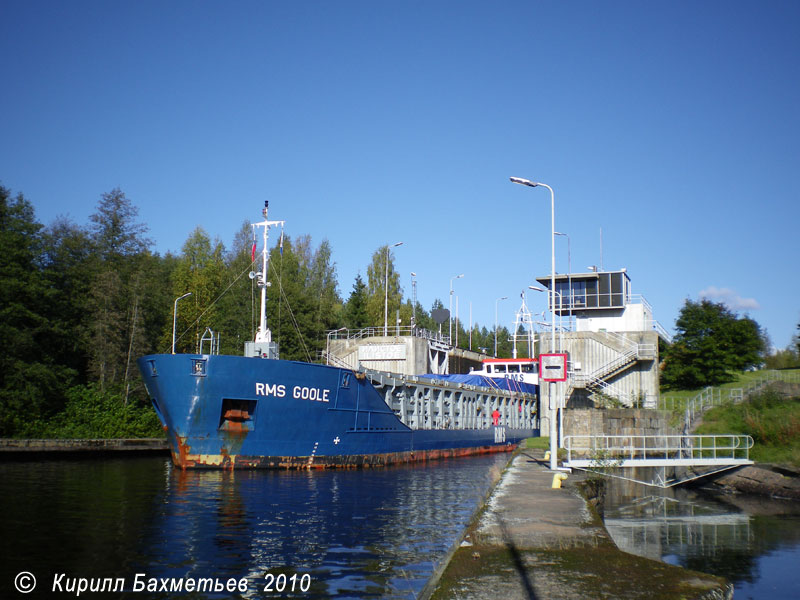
(91, 413)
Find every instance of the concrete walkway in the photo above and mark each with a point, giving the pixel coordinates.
(532, 541)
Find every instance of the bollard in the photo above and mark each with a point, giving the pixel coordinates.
(557, 479)
(547, 455)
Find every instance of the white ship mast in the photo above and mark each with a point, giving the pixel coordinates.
(523, 321)
(264, 334)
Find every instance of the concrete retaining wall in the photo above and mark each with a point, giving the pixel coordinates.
(617, 421)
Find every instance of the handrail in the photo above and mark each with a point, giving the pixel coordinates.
(405, 330)
(608, 449)
(332, 359)
(710, 397)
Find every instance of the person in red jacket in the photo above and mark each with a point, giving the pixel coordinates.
(495, 417)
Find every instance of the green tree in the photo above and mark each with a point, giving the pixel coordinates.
(107, 328)
(797, 339)
(32, 384)
(237, 310)
(322, 288)
(355, 310)
(115, 232)
(116, 306)
(68, 270)
(783, 359)
(377, 287)
(290, 310)
(711, 342)
(201, 271)
(504, 345)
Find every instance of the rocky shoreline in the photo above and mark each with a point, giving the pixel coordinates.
(774, 481)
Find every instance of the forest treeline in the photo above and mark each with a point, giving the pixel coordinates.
(80, 303)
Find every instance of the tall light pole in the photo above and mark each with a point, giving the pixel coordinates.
(175, 317)
(553, 446)
(450, 316)
(413, 301)
(495, 323)
(386, 294)
(569, 275)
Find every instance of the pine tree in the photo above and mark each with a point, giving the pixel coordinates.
(32, 384)
(355, 311)
(116, 311)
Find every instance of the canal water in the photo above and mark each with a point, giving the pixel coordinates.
(373, 533)
(752, 542)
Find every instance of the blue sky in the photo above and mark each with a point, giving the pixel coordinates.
(673, 127)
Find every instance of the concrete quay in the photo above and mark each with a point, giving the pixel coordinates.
(531, 541)
(10, 447)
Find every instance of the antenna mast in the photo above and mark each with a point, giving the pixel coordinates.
(523, 320)
(264, 334)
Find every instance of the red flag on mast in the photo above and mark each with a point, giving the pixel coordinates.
(253, 253)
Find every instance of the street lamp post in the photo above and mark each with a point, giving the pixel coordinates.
(495, 323)
(175, 317)
(561, 349)
(450, 316)
(527, 182)
(560, 310)
(386, 294)
(569, 276)
(413, 302)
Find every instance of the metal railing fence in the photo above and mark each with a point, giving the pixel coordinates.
(611, 450)
(711, 397)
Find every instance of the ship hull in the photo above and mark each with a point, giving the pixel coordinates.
(236, 412)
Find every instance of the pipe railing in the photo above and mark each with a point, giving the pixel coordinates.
(405, 330)
(610, 450)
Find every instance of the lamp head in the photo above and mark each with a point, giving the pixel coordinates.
(521, 181)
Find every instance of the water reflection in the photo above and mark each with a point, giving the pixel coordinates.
(736, 537)
(366, 533)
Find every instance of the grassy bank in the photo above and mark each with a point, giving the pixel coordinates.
(538, 443)
(772, 419)
(678, 399)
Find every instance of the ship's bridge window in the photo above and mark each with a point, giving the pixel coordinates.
(528, 368)
(499, 368)
(513, 368)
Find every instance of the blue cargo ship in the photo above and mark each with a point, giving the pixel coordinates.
(258, 411)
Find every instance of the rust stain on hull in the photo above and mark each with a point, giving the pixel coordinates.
(181, 453)
(185, 460)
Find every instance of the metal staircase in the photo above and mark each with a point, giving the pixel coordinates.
(597, 381)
